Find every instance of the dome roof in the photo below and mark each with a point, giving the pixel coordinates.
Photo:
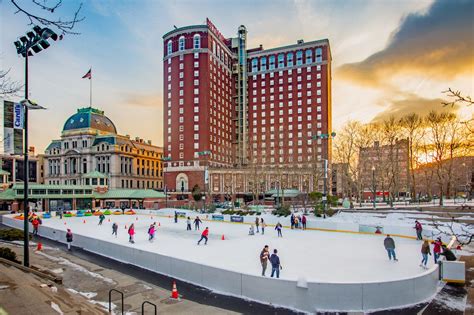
(91, 119)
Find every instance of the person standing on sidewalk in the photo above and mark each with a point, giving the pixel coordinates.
(69, 239)
(389, 244)
(264, 259)
(276, 266)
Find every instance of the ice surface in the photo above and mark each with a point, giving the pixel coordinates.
(315, 256)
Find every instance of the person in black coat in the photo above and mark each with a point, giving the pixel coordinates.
(276, 266)
(448, 254)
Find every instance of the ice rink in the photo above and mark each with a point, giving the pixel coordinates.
(316, 256)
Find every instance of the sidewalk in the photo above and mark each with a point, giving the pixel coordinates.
(84, 290)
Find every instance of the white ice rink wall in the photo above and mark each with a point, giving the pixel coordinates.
(286, 293)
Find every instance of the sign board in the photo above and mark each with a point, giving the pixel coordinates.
(217, 217)
(206, 177)
(214, 30)
(18, 116)
(181, 214)
(11, 138)
(236, 218)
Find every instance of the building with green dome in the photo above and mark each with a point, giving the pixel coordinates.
(90, 144)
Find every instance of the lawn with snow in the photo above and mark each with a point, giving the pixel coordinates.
(316, 256)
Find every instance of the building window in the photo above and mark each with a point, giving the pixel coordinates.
(272, 63)
(309, 56)
(254, 65)
(197, 41)
(263, 63)
(289, 60)
(319, 55)
(181, 43)
(299, 58)
(170, 47)
(281, 61)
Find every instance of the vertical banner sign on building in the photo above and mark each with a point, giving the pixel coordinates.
(18, 113)
(206, 177)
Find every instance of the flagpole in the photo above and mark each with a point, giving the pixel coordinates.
(90, 90)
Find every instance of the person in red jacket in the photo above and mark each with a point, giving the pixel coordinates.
(204, 236)
(303, 221)
(36, 224)
(437, 249)
(131, 233)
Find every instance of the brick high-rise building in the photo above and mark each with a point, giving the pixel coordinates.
(227, 107)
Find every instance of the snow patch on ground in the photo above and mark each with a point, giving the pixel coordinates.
(56, 307)
(77, 267)
(87, 295)
(452, 302)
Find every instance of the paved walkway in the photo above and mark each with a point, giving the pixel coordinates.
(85, 288)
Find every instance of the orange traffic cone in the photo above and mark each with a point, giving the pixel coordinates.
(223, 238)
(39, 246)
(174, 291)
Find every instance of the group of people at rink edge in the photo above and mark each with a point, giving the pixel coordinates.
(439, 249)
(296, 221)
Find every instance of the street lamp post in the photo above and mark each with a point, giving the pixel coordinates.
(324, 136)
(374, 194)
(206, 174)
(34, 41)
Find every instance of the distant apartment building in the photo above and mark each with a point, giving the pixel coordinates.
(457, 176)
(230, 110)
(341, 182)
(386, 167)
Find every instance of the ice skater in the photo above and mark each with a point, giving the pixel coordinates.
(101, 218)
(278, 229)
(36, 222)
(389, 244)
(196, 223)
(264, 259)
(437, 249)
(292, 221)
(303, 221)
(69, 239)
(263, 225)
(204, 236)
(419, 230)
(188, 224)
(151, 232)
(257, 222)
(131, 233)
(114, 229)
(425, 251)
(251, 230)
(175, 217)
(276, 266)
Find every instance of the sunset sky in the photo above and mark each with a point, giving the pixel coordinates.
(390, 57)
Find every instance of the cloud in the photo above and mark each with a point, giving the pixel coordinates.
(412, 103)
(144, 100)
(438, 44)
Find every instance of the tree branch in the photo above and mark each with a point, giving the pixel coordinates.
(456, 97)
(66, 27)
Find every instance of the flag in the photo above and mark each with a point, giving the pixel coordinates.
(88, 75)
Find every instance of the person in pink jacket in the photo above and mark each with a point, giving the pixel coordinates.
(131, 233)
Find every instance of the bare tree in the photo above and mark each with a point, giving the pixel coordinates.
(456, 97)
(412, 128)
(463, 232)
(49, 20)
(8, 86)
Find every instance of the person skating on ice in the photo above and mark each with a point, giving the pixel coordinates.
(389, 244)
(101, 218)
(204, 236)
(276, 266)
(419, 230)
(264, 254)
(131, 233)
(257, 223)
(188, 224)
(114, 229)
(251, 230)
(197, 221)
(151, 232)
(425, 251)
(263, 225)
(278, 228)
(437, 249)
